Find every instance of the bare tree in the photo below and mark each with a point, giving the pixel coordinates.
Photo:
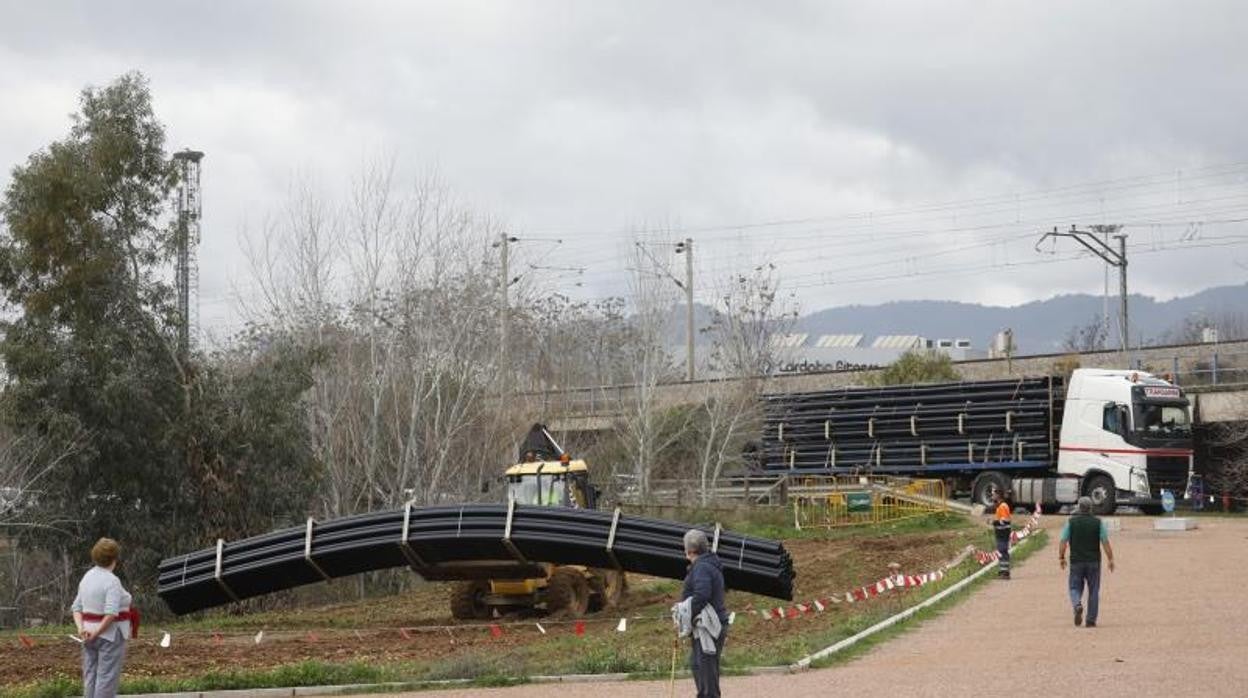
(643, 428)
(1229, 325)
(406, 403)
(32, 522)
(1090, 336)
(749, 313)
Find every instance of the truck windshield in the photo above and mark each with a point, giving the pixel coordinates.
(1162, 420)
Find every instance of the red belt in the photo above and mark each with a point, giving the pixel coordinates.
(131, 615)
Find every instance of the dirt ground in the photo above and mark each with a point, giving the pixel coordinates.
(369, 631)
(1172, 622)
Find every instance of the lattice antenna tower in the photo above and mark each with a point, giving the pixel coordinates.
(187, 277)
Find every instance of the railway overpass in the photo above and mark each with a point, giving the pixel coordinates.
(1215, 375)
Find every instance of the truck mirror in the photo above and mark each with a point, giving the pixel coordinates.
(1123, 416)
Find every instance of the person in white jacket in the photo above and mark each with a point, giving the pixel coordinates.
(105, 620)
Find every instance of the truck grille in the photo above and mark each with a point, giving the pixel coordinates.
(1167, 473)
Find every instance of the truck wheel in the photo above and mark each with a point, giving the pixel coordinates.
(1104, 495)
(567, 592)
(468, 600)
(986, 485)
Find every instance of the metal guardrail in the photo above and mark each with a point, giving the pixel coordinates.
(1207, 369)
(754, 489)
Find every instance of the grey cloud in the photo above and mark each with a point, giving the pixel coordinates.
(584, 120)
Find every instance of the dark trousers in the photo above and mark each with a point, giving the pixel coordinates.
(705, 667)
(1086, 574)
(1003, 547)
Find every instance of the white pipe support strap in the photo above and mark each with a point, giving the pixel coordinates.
(511, 512)
(715, 543)
(307, 550)
(615, 522)
(413, 560)
(221, 582)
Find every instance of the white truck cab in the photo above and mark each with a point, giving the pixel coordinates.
(1127, 435)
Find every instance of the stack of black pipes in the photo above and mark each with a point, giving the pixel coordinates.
(903, 428)
(445, 535)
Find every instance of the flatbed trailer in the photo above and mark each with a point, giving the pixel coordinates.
(1120, 437)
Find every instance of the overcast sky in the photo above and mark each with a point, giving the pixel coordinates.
(872, 151)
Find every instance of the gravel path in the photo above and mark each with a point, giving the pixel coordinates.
(1172, 622)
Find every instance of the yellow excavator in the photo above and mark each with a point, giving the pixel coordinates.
(545, 475)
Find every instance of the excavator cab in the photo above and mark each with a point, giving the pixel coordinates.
(547, 476)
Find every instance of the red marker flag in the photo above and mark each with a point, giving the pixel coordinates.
(496, 630)
(26, 641)
(791, 613)
(580, 627)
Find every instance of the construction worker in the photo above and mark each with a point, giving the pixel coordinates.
(1002, 528)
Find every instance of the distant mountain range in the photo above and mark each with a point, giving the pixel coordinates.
(1039, 326)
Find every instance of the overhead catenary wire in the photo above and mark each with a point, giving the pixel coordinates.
(803, 250)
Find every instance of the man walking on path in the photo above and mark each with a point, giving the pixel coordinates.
(1002, 528)
(1085, 535)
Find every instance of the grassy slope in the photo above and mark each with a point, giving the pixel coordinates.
(644, 649)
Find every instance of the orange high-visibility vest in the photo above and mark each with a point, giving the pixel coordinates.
(1003, 512)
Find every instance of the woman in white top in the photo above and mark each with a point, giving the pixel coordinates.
(105, 620)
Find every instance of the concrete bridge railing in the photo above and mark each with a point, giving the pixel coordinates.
(1216, 373)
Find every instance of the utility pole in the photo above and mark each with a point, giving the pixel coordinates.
(1122, 291)
(1114, 258)
(1105, 232)
(686, 248)
(504, 312)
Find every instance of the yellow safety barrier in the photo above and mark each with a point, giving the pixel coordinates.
(828, 502)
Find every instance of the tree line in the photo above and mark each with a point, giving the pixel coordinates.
(371, 370)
